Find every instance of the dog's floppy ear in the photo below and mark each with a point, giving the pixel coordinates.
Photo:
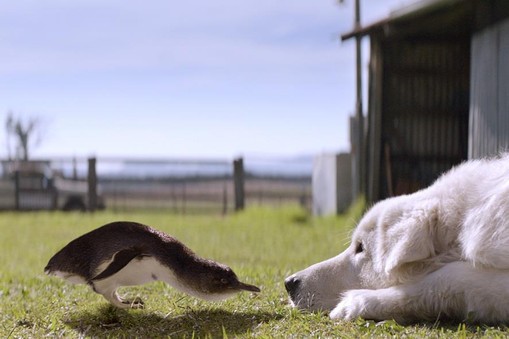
(412, 237)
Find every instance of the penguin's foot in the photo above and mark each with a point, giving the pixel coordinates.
(137, 303)
(113, 297)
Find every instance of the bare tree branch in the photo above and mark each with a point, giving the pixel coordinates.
(23, 132)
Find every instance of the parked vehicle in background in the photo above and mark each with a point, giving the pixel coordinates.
(33, 185)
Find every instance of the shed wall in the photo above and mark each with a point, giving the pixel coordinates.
(489, 104)
(423, 120)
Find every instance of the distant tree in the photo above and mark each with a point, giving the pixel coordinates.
(24, 132)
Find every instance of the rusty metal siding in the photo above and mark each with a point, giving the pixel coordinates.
(489, 104)
(424, 112)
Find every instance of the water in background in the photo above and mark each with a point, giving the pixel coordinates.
(179, 168)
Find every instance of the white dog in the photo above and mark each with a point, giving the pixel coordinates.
(442, 252)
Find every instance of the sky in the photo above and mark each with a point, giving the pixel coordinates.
(199, 79)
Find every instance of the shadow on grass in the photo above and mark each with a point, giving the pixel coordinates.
(110, 321)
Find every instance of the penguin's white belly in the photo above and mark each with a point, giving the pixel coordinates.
(72, 278)
(148, 269)
(138, 272)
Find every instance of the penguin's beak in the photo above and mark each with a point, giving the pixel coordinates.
(246, 287)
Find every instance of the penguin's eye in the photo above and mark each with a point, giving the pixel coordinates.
(359, 248)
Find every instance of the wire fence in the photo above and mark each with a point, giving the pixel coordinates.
(176, 185)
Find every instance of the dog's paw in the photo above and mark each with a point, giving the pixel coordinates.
(354, 304)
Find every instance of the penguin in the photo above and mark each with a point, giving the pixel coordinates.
(126, 253)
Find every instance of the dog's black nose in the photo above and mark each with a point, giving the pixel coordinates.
(292, 284)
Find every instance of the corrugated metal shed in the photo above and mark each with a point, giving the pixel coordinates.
(431, 72)
(424, 112)
(489, 104)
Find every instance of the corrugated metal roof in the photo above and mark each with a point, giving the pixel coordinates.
(405, 13)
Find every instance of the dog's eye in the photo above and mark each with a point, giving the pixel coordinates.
(359, 248)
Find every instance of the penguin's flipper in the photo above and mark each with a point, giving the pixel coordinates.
(120, 260)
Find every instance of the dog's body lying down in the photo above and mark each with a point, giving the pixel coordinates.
(442, 252)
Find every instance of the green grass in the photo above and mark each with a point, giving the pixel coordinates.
(262, 245)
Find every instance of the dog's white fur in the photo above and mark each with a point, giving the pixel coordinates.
(440, 252)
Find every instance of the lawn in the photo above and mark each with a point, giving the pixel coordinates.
(262, 245)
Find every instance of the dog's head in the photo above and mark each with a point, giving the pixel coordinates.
(393, 242)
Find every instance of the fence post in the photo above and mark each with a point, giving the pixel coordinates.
(74, 169)
(225, 199)
(17, 204)
(92, 184)
(54, 198)
(238, 183)
(184, 197)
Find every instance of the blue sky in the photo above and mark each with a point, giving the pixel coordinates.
(194, 78)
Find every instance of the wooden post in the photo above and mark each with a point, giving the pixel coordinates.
(360, 153)
(74, 169)
(238, 183)
(184, 197)
(225, 199)
(54, 197)
(92, 185)
(17, 205)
